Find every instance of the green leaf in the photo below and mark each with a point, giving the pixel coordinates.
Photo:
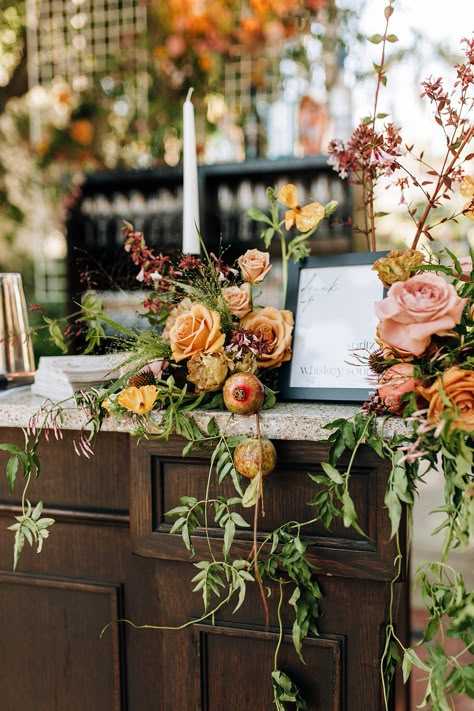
(250, 497)
(267, 236)
(258, 215)
(11, 471)
(12, 448)
(37, 511)
(375, 39)
(188, 448)
(332, 473)
(187, 539)
(213, 427)
(229, 533)
(178, 524)
(349, 513)
(348, 435)
(392, 502)
(238, 520)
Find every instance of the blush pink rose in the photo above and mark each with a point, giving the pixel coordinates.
(416, 309)
(254, 265)
(237, 299)
(395, 382)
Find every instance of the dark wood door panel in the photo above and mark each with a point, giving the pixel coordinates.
(53, 658)
(236, 664)
(159, 477)
(69, 481)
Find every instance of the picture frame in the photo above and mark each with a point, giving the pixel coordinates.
(332, 299)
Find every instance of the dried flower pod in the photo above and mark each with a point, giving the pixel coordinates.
(207, 371)
(398, 265)
(145, 377)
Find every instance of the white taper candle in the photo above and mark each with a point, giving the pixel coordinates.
(191, 224)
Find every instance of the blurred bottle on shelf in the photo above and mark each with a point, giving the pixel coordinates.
(340, 103)
(254, 132)
(281, 128)
(312, 125)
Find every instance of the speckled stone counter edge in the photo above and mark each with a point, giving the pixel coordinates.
(286, 421)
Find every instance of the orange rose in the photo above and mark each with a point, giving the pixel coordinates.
(274, 327)
(457, 386)
(254, 265)
(195, 331)
(237, 299)
(181, 308)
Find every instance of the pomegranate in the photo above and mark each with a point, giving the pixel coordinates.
(243, 393)
(247, 456)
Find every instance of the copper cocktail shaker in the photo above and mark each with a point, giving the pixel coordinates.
(17, 365)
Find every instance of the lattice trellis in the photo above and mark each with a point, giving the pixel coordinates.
(81, 41)
(241, 73)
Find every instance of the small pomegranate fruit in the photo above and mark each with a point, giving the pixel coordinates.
(243, 393)
(247, 456)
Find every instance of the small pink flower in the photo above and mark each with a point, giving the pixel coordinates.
(466, 266)
(416, 309)
(395, 382)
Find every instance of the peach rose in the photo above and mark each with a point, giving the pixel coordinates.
(237, 299)
(195, 331)
(183, 306)
(416, 309)
(274, 327)
(395, 382)
(254, 265)
(457, 386)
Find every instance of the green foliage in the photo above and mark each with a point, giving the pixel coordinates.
(285, 691)
(30, 527)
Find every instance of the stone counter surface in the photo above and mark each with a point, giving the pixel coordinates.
(286, 421)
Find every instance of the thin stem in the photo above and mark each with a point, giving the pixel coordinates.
(440, 184)
(380, 73)
(173, 627)
(280, 626)
(284, 262)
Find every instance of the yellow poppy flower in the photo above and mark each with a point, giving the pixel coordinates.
(467, 190)
(138, 400)
(305, 218)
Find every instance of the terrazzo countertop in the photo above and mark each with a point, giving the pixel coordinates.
(287, 420)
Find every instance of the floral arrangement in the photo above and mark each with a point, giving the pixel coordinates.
(211, 345)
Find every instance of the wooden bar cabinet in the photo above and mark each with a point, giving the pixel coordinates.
(110, 556)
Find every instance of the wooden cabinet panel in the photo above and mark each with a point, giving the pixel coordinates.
(52, 653)
(99, 564)
(159, 477)
(228, 670)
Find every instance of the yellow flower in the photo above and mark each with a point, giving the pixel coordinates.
(138, 400)
(305, 218)
(467, 190)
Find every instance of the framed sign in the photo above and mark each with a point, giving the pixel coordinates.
(332, 299)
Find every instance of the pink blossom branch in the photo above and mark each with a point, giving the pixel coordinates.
(440, 183)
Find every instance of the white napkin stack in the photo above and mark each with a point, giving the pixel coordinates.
(59, 377)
